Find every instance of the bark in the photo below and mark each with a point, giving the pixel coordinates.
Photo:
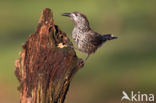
(46, 65)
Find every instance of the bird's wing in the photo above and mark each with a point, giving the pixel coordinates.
(95, 38)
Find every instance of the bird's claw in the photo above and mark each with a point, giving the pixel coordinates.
(81, 62)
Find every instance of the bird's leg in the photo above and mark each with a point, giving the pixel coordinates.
(84, 61)
(87, 57)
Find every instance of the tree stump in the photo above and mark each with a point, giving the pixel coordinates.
(46, 65)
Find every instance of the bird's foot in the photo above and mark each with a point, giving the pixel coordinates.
(81, 62)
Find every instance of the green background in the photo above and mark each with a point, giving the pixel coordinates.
(128, 63)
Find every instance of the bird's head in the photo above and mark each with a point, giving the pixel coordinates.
(77, 18)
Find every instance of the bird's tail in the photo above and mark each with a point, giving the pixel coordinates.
(108, 37)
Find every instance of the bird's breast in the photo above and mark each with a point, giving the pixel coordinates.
(82, 41)
(77, 35)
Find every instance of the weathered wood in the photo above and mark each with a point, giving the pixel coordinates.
(46, 66)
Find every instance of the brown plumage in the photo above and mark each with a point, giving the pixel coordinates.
(86, 39)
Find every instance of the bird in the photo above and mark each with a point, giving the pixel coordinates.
(87, 40)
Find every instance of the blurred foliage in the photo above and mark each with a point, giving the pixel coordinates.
(128, 63)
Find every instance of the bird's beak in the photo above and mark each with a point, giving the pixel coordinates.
(66, 14)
